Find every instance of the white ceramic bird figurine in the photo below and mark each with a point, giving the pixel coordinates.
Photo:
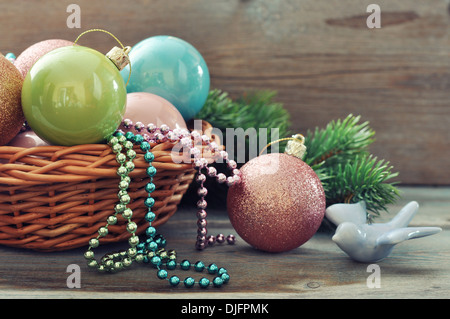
(369, 243)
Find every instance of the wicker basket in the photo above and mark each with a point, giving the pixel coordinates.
(54, 198)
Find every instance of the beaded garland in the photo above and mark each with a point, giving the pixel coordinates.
(189, 140)
(152, 248)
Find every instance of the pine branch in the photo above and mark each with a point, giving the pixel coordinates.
(338, 141)
(364, 179)
(256, 110)
(340, 157)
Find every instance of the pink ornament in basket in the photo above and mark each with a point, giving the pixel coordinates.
(147, 108)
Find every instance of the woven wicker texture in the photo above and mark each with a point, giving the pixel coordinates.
(55, 198)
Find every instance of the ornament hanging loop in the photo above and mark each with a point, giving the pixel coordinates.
(119, 56)
(295, 147)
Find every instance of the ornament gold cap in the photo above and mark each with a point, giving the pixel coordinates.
(296, 146)
(119, 57)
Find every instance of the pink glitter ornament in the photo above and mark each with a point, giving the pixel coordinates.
(29, 57)
(279, 203)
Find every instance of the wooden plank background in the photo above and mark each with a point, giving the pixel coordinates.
(319, 55)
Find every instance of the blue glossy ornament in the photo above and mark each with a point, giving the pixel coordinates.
(170, 68)
(10, 57)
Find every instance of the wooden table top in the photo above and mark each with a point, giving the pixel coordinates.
(318, 269)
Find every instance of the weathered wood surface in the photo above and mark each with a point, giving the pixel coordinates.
(319, 269)
(319, 55)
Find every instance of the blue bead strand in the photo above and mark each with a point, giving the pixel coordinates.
(222, 277)
(150, 245)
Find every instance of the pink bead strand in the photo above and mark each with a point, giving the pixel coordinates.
(153, 134)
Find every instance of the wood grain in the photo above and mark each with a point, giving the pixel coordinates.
(318, 269)
(320, 56)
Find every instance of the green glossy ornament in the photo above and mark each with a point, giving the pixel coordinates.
(74, 95)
